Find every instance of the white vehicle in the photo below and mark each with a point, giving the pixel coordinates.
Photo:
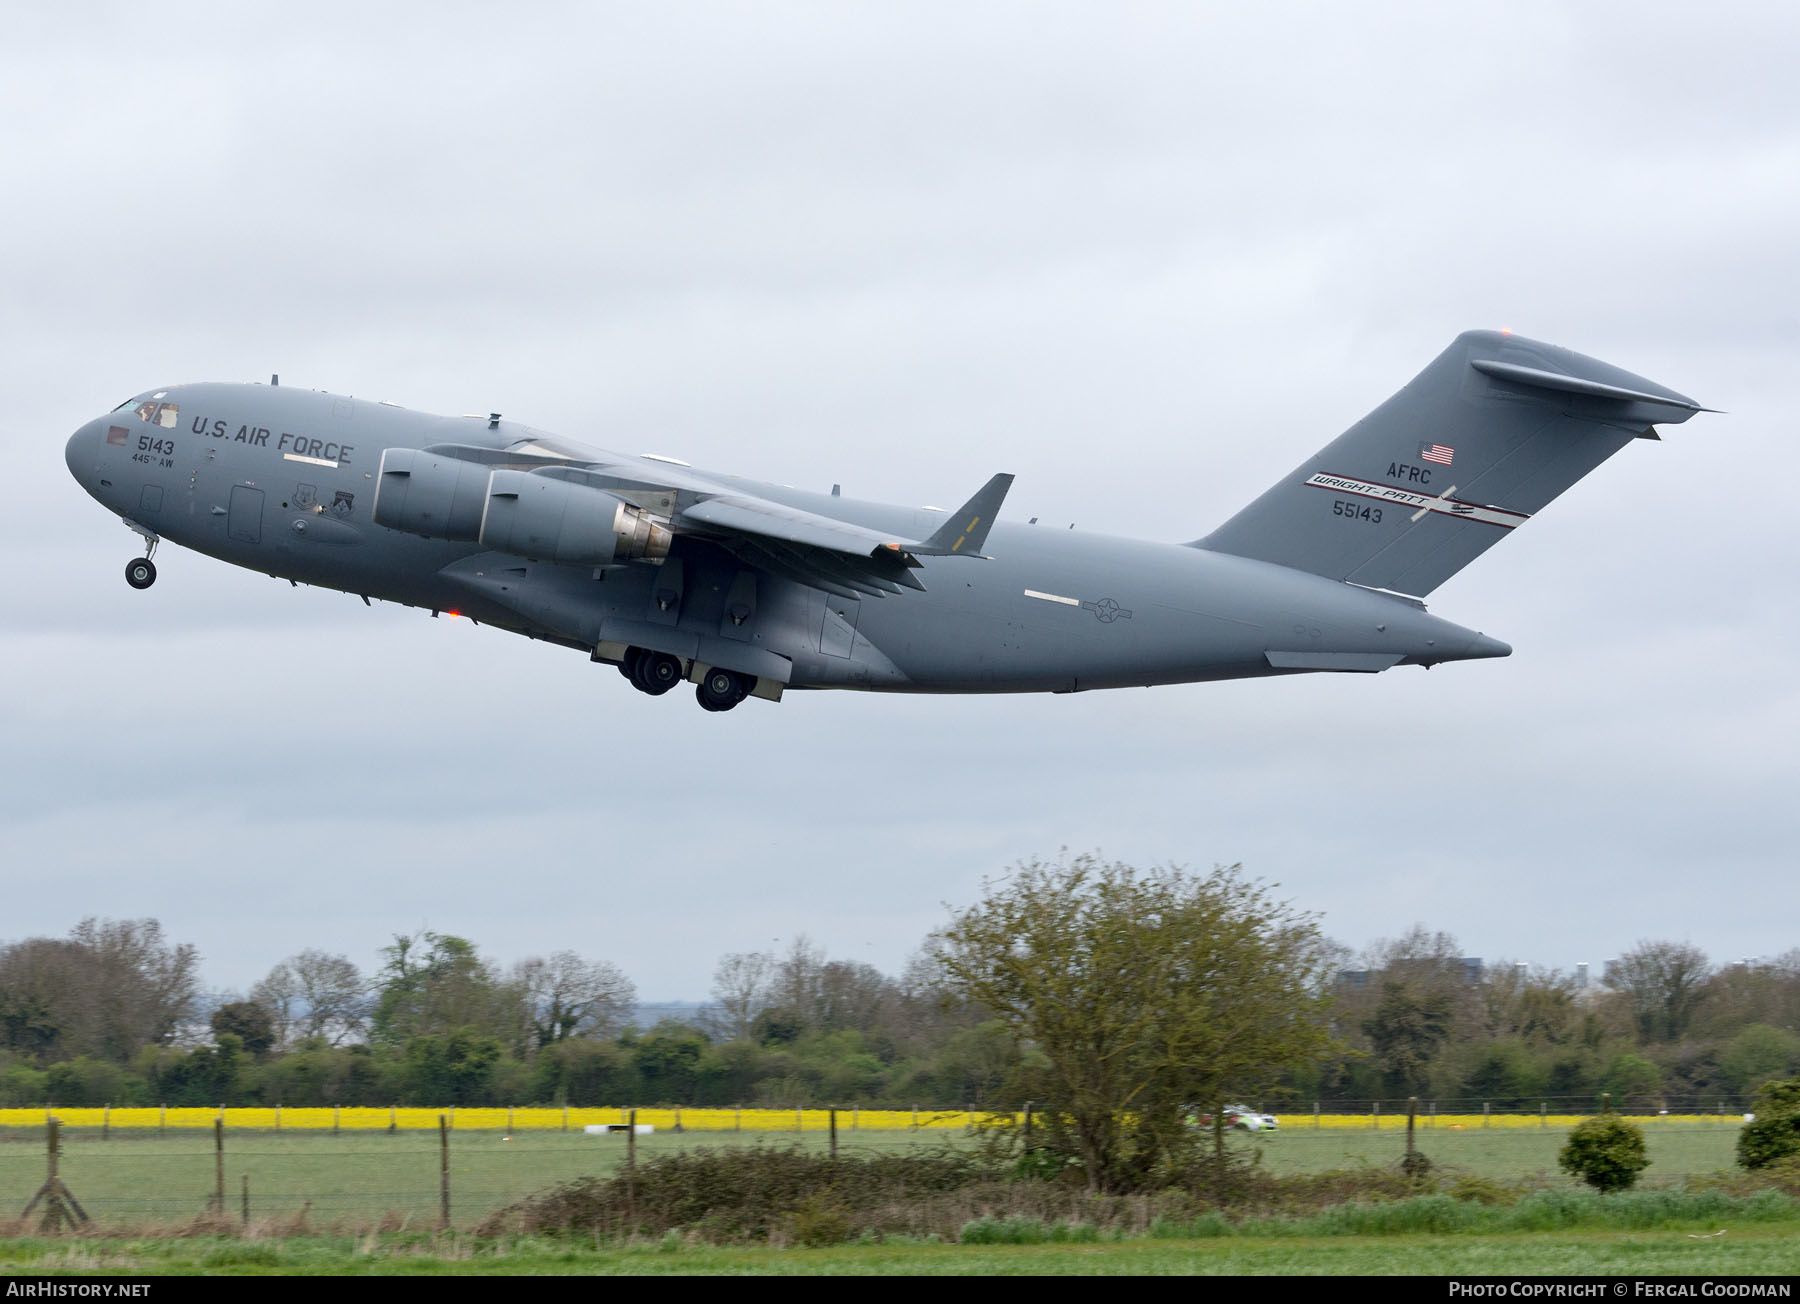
(1243, 1119)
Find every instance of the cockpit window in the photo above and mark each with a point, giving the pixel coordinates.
(166, 415)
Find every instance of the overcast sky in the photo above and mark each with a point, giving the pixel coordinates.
(1146, 257)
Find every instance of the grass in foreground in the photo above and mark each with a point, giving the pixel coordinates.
(1749, 1250)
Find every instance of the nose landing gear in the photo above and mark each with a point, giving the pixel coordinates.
(140, 572)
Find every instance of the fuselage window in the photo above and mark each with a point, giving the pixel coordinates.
(167, 415)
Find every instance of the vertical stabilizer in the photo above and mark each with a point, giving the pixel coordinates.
(1476, 444)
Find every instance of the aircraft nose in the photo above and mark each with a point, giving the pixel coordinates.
(82, 453)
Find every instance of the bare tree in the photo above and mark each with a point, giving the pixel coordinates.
(315, 994)
(797, 978)
(566, 996)
(113, 987)
(740, 989)
(141, 990)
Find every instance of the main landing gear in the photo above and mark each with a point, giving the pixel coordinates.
(720, 690)
(657, 672)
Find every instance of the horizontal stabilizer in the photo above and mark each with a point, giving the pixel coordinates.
(1536, 378)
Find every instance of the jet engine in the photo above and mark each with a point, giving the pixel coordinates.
(512, 511)
(438, 497)
(567, 523)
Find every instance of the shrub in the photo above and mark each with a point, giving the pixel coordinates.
(1605, 1152)
(1775, 1135)
(745, 1193)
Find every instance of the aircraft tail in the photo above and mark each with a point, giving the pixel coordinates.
(1476, 444)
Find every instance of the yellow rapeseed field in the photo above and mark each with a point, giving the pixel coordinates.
(522, 1118)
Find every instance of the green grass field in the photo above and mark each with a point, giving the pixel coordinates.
(357, 1177)
(350, 1183)
(360, 1177)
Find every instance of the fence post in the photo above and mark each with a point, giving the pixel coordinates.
(565, 1118)
(278, 1118)
(219, 1161)
(1543, 1113)
(246, 1210)
(915, 1118)
(1484, 1113)
(1412, 1108)
(1606, 1102)
(443, 1173)
(1028, 1127)
(1375, 1114)
(106, 1123)
(678, 1118)
(391, 1111)
(799, 1122)
(834, 1132)
(856, 1117)
(162, 1121)
(631, 1167)
(334, 1118)
(1315, 1116)
(738, 1119)
(1433, 1114)
(509, 1116)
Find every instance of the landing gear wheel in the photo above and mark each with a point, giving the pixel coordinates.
(655, 673)
(720, 690)
(629, 663)
(140, 572)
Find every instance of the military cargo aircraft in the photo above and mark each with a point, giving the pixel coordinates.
(675, 574)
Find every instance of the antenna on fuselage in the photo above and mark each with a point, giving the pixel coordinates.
(275, 378)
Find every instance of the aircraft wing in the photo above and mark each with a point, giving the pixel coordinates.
(835, 555)
(838, 556)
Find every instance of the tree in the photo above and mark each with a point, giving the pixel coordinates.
(1660, 985)
(248, 1021)
(110, 988)
(1148, 995)
(315, 995)
(1406, 1030)
(741, 989)
(566, 996)
(435, 984)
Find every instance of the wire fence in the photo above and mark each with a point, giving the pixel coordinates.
(419, 1169)
(404, 1178)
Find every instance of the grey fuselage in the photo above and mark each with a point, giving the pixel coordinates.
(281, 480)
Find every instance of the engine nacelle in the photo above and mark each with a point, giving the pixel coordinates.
(421, 493)
(567, 523)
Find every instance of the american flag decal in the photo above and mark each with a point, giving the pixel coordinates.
(1439, 453)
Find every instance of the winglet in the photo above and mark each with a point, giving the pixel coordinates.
(964, 533)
